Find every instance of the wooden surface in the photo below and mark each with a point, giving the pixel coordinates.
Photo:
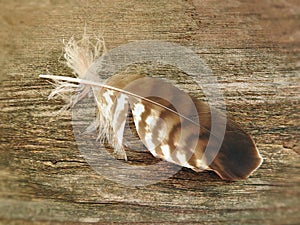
(252, 48)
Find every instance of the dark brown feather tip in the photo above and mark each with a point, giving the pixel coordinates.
(238, 156)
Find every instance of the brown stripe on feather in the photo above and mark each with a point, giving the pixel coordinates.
(161, 121)
(197, 160)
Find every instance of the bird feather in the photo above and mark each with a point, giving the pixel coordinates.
(173, 125)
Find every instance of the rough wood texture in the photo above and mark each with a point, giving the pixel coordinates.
(252, 48)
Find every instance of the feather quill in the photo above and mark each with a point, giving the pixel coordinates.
(180, 137)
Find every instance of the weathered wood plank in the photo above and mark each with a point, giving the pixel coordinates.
(252, 48)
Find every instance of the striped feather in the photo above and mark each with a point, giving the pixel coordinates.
(180, 137)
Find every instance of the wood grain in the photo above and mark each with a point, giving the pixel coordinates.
(251, 46)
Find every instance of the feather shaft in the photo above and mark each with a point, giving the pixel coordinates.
(95, 84)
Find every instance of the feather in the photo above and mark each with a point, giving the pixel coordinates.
(171, 124)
